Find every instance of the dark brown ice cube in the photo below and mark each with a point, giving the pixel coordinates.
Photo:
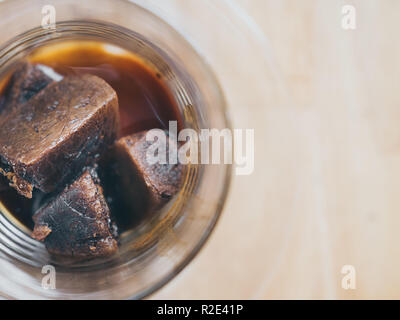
(67, 125)
(161, 180)
(77, 222)
(27, 80)
(134, 186)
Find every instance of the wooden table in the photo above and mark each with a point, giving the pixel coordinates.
(325, 191)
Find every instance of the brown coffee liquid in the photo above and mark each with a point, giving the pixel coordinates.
(145, 102)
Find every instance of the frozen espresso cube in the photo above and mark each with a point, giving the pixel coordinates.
(142, 185)
(27, 80)
(63, 128)
(77, 222)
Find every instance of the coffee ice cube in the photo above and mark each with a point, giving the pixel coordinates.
(48, 140)
(77, 222)
(27, 80)
(137, 187)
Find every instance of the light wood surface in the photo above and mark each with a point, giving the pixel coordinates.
(325, 191)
